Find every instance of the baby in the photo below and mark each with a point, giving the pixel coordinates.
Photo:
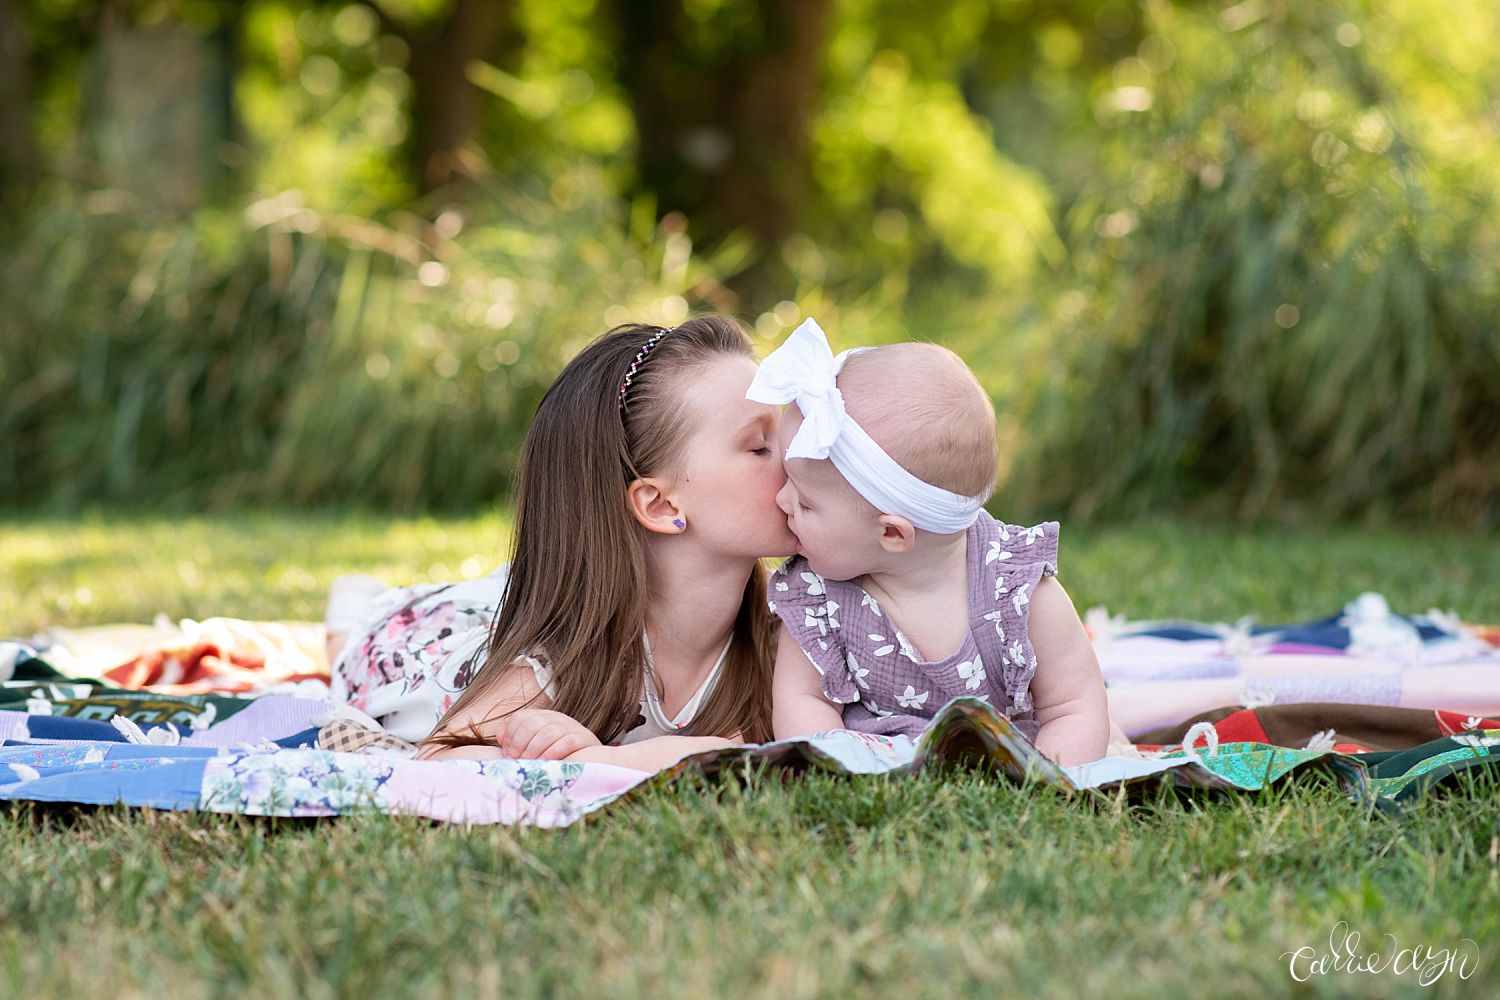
(905, 593)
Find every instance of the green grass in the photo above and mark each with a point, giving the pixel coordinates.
(930, 886)
(117, 567)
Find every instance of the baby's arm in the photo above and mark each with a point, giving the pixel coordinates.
(798, 706)
(1068, 690)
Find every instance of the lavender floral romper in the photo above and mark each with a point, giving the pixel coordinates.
(871, 669)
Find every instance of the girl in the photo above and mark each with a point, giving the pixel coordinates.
(630, 626)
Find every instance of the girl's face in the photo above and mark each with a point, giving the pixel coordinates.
(836, 528)
(732, 468)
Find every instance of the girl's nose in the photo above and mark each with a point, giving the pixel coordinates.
(784, 498)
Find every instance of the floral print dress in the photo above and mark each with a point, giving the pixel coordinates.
(419, 648)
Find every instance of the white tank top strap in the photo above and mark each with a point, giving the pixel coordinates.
(656, 716)
(543, 675)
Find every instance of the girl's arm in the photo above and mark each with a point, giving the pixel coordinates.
(1068, 690)
(487, 714)
(798, 707)
(649, 755)
(519, 688)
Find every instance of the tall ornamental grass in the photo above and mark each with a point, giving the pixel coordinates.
(281, 354)
(1287, 301)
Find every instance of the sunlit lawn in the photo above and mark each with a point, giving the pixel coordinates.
(108, 568)
(813, 886)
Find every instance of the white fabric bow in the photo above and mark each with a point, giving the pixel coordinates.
(804, 370)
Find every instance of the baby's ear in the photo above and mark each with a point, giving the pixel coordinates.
(897, 534)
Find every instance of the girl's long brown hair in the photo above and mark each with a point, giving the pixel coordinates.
(577, 590)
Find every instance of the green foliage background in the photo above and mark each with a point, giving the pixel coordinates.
(1234, 258)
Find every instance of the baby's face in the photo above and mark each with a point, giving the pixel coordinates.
(837, 529)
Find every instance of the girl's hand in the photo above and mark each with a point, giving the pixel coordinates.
(542, 734)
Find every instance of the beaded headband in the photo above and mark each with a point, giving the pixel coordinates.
(640, 359)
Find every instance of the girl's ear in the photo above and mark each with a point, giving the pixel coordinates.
(897, 534)
(652, 506)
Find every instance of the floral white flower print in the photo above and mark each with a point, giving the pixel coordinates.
(1016, 652)
(994, 617)
(1031, 534)
(1004, 532)
(884, 650)
(1019, 600)
(782, 586)
(772, 606)
(816, 587)
(1477, 739)
(856, 671)
(866, 601)
(997, 551)
(1000, 588)
(822, 618)
(875, 709)
(972, 672)
(822, 645)
(910, 699)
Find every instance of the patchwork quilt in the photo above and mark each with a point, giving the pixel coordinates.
(1162, 673)
(80, 740)
(290, 777)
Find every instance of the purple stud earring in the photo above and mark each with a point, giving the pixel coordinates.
(679, 522)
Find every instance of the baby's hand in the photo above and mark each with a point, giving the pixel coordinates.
(542, 734)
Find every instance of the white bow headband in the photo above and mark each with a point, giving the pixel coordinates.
(803, 370)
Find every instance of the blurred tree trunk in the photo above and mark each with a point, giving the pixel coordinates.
(158, 109)
(446, 108)
(18, 154)
(723, 134)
